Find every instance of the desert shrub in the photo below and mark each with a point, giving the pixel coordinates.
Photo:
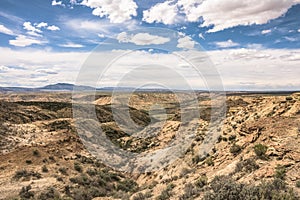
(280, 172)
(29, 162)
(59, 179)
(36, 152)
(209, 161)
(248, 165)
(50, 193)
(26, 174)
(45, 169)
(142, 196)
(289, 98)
(77, 167)
(298, 184)
(190, 192)
(202, 181)
(232, 137)
(167, 193)
(127, 185)
(260, 151)
(224, 187)
(196, 159)
(63, 170)
(51, 158)
(91, 172)
(235, 149)
(25, 192)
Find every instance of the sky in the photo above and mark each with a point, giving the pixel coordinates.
(250, 44)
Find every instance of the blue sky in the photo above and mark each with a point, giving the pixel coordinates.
(251, 43)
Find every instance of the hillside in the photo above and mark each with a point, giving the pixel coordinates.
(257, 153)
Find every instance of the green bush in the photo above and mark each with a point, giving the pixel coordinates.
(63, 170)
(248, 165)
(77, 167)
(202, 181)
(224, 187)
(167, 193)
(298, 184)
(36, 152)
(142, 196)
(190, 192)
(280, 172)
(260, 151)
(50, 193)
(45, 169)
(235, 149)
(26, 174)
(25, 192)
(209, 161)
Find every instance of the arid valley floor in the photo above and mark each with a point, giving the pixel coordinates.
(257, 155)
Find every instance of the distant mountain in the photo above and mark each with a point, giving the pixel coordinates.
(53, 87)
(65, 87)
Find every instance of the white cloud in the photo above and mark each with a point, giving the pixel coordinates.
(100, 35)
(266, 31)
(201, 36)
(239, 68)
(255, 46)
(117, 11)
(41, 25)
(185, 43)
(53, 28)
(225, 14)
(219, 13)
(27, 26)
(226, 44)
(165, 12)
(299, 30)
(23, 41)
(34, 34)
(259, 67)
(52, 67)
(57, 3)
(71, 45)
(142, 38)
(5, 30)
(90, 28)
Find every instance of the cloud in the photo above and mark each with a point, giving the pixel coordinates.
(27, 26)
(258, 70)
(255, 46)
(117, 11)
(260, 67)
(5, 30)
(266, 31)
(54, 67)
(23, 41)
(53, 28)
(100, 35)
(46, 71)
(41, 25)
(91, 28)
(226, 44)
(57, 3)
(219, 14)
(165, 12)
(142, 38)
(185, 43)
(201, 36)
(34, 34)
(223, 14)
(299, 30)
(71, 45)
